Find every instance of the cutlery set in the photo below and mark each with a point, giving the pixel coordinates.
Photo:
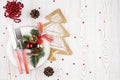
(19, 53)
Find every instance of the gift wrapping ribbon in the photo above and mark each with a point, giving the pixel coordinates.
(43, 36)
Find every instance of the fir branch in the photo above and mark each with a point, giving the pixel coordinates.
(34, 32)
(25, 37)
(35, 59)
(42, 53)
(23, 45)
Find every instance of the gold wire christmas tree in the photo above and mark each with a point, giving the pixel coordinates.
(58, 32)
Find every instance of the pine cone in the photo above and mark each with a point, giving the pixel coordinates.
(37, 50)
(48, 71)
(34, 13)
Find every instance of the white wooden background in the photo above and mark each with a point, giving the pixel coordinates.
(94, 40)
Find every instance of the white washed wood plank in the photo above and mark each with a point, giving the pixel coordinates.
(104, 21)
(46, 7)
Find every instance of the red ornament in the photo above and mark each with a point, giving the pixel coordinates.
(29, 45)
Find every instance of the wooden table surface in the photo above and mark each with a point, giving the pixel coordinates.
(94, 40)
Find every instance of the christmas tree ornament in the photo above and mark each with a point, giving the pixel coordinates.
(40, 46)
(29, 45)
(33, 39)
(55, 29)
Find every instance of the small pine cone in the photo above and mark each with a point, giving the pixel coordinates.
(48, 71)
(34, 13)
(37, 50)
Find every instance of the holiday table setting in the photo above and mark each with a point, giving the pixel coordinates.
(59, 40)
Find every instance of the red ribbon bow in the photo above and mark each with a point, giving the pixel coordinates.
(43, 36)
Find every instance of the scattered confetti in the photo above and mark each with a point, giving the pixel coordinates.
(83, 22)
(73, 63)
(99, 29)
(99, 12)
(100, 57)
(3, 33)
(85, 6)
(9, 73)
(74, 37)
(104, 21)
(87, 45)
(1, 45)
(62, 59)
(4, 56)
(6, 28)
(67, 74)
(50, 61)
(83, 64)
(15, 76)
(53, 0)
(90, 72)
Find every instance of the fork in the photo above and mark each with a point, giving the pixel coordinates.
(19, 41)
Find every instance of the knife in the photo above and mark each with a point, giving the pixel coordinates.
(19, 41)
(14, 45)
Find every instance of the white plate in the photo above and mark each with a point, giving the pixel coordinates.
(10, 51)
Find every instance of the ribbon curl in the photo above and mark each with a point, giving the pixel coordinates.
(43, 36)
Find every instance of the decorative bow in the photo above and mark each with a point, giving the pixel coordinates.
(42, 36)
